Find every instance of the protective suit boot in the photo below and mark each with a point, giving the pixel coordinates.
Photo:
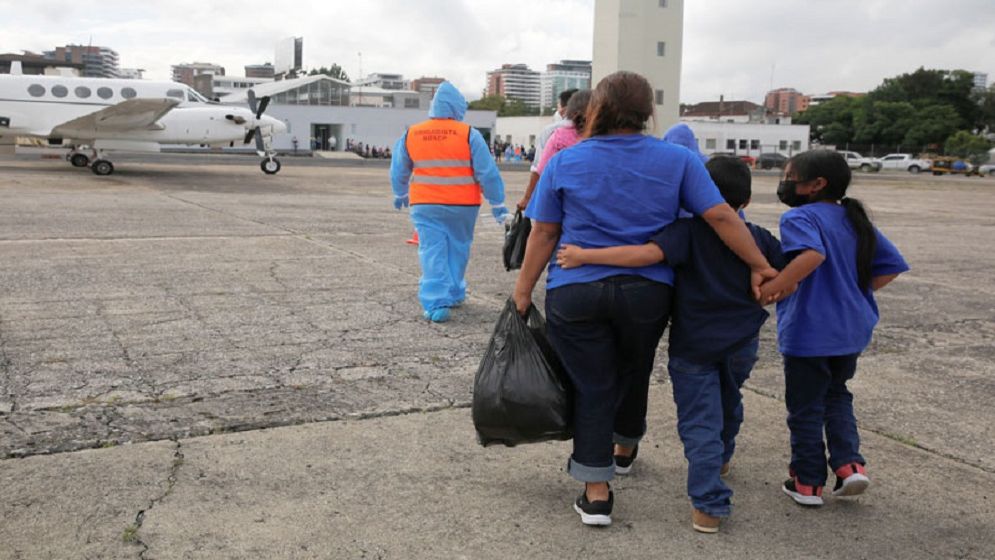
(440, 315)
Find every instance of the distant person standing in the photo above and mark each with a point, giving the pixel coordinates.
(332, 142)
(443, 169)
(559, 120)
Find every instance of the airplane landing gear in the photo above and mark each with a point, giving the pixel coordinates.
(102, 167)
(270, 165)
(79, 160)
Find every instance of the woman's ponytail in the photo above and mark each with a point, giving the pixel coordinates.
(866, 239)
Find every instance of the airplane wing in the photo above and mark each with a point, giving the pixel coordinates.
(133, 114)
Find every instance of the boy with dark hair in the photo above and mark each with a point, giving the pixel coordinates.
(714, 333)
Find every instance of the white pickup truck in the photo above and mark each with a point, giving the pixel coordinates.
(857, 161)
(905, 162)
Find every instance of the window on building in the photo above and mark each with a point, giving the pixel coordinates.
(754, 144)
(710, 144)
(105, 93)
(742, 144)
(82, 92)
(663, 3)
(60, 91)
(128, 93)
(36, 90)
(661, 48)
(659, 97)
(730, 144)
(796, 145)
(412, 103)
(783, 145)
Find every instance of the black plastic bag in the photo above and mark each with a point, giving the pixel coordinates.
(515, 237)
(521, 393)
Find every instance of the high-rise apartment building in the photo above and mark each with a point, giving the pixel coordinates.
(427, 85)
(643, 36)
(786, 101)
(515, 82)
(98, 62)
(980, 81)
(561, 76)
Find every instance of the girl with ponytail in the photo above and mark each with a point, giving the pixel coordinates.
(838, 260)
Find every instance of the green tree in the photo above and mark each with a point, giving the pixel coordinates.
(335, 71)
(832, 122)
(931, 127)
(966, 145)
(504, 107)
(488, 103)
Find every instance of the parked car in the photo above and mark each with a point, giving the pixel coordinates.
(772, 160)
(749, 160)
(987, 170)
(857, 161)
(905, 162)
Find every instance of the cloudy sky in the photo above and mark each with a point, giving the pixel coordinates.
(731, 47)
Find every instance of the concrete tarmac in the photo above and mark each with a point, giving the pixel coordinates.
(198, 361)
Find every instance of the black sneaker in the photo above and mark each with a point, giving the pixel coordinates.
(803, 494)
(623, 464)
(597, 513)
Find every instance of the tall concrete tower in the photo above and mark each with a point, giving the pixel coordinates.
(644, 36)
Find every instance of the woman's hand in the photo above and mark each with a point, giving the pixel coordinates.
(522, 302)
(569, 256)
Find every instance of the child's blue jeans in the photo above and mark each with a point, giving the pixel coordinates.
(709, 414)
(818, 400)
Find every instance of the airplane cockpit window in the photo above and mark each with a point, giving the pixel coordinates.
(176, 94)
(128, 93)
(195, 97)
(60, 91)
(82, 92)
(36, 90)
(105, 93)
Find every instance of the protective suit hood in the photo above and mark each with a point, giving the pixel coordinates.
(448, 103)
(682, 135)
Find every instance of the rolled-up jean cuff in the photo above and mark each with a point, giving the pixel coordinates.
(626, 441)
(585, 473)
(714, 511)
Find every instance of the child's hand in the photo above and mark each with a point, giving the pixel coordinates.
(769, 293)
(569, 256)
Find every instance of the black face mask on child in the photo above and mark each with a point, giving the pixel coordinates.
(787, 193)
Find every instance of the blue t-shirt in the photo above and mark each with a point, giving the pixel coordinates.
(714, 313)
(830, 314)
(608, 191)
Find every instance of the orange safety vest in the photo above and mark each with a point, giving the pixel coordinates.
(443, 170)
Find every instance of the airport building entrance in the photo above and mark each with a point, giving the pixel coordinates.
(326, 137)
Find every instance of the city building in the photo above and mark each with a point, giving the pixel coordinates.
(384, 81)
(427, 85)
(786, 101)
(259, 70)
(319, 108)
(643, 36)
(515, 82)
(980, 81)
(289, 58)
(724, 111)
(36, 64)
(98, 62)
(561, 76)
(224, 86)
(751, 139)
(132, 74)
(818, 98)
(185, 73)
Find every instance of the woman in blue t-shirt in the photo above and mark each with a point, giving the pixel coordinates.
(839, 259)
(616, 187)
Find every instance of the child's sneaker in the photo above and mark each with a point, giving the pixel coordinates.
(623, 464)
(802, 493)
(851, 480)
(598, 512)
(704, 523)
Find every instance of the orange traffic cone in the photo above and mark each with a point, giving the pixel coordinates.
(414, 239)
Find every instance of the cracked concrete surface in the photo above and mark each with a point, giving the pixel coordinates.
(168, 301)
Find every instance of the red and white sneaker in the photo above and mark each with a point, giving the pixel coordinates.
(851, 480)
(803, 493)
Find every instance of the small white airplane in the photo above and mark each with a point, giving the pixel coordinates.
(96, 115)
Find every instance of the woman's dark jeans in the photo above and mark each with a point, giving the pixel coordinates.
(606, 334)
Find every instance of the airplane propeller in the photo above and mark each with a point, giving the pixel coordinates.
(257, 106)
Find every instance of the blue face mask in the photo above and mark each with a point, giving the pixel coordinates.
(787, 192)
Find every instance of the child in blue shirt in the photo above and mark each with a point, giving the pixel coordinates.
(838, 260)
(713, 334)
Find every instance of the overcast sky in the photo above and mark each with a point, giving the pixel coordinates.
(730, 46)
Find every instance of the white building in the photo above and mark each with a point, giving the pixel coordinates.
(520, 131)
(319, 108)
(362, 96)
(131, 73)
(643, 36)
(384, 81)
(516, 82)
(980, 81)
(561, 76)
(750, 139)
(225, 86)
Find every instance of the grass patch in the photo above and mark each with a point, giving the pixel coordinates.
(130, 534)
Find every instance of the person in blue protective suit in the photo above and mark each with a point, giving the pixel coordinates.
(443, 169)
(682, 135)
